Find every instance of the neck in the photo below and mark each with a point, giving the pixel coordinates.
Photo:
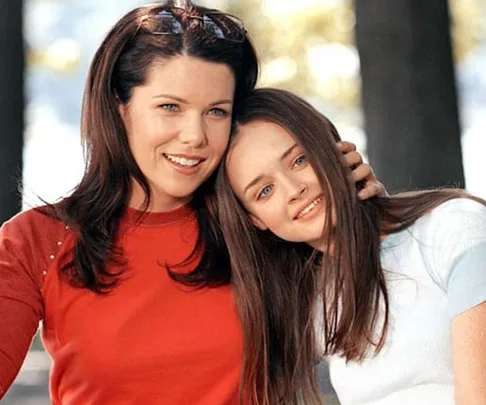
(159, 201)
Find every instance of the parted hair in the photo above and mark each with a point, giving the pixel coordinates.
(281, 286)
(94, 209)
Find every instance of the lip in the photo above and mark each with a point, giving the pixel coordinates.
(183, 155)
(186, 170)
(305, 205)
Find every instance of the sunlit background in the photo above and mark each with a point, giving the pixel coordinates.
(306, 46)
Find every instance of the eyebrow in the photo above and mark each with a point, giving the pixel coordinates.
(257, 179)
(181, 100)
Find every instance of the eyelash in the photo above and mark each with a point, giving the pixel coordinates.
(261, 195)
(304, 157)
(219, 112)
(172, 108)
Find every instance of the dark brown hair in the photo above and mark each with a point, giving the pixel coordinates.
(95, 207)
(281, 278)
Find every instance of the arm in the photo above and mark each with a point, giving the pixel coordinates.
(21, 306)
(459, 267)
(469, 325)
(469, 356)
(361, 172)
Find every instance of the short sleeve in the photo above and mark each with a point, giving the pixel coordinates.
(456, 252)
(21, 304)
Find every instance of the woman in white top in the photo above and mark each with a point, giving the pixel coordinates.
(390, 290)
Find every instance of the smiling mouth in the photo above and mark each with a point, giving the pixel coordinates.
(309, 208)
(183, 161)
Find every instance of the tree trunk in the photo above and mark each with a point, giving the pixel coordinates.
(11, 106)
(408, 92)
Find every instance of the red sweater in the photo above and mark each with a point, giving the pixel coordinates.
(150, 341)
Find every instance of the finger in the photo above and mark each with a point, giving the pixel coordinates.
(372, 189)
(354, 159)
(381, 190)
(363, 172)
(345, 146)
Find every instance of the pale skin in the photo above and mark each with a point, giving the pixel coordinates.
(178, 125)
(270, 175)
(469, 356)
(183, 111)
(362, 171)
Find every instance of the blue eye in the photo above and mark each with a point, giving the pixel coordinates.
(300, 161)
(218, 112)
(170, 107)
(265, 191)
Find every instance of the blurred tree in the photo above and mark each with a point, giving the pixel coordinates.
(11, 105)
(295, 42)
(408, 92)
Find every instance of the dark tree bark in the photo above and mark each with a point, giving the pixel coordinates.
(408, 92)
(11, 106)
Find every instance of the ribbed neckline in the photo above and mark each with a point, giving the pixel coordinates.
(153, 218)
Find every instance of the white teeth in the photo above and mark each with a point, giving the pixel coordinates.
(183, 161)
(309, 208)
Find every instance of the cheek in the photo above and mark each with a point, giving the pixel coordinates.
(159, 132)
(279, 221)
(221, 147)
(218, 142)
(274, 218)
(149, 135)
(311, 176)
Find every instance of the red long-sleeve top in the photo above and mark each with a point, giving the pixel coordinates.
(149, 341)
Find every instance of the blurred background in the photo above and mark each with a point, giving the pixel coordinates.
(404, 81)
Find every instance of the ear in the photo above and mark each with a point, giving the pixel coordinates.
(258, 222)
(122, 110)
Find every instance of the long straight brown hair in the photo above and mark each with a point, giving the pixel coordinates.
(95, 207)
(279, 285)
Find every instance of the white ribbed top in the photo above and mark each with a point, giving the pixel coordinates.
(436, 270)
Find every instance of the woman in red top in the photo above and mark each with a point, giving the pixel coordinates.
(110, 269)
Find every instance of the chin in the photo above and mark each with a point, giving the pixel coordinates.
(178, 190)
(176, 195)
(182, 194)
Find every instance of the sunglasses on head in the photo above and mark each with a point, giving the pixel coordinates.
(215, 24)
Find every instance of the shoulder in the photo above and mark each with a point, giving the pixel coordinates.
(449, 232)
(29, 217)
(33, 222)
(32, 237)
(459, 206)
(455, 219)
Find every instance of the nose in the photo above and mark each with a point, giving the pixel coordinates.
(193, 132)
(296, 188)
